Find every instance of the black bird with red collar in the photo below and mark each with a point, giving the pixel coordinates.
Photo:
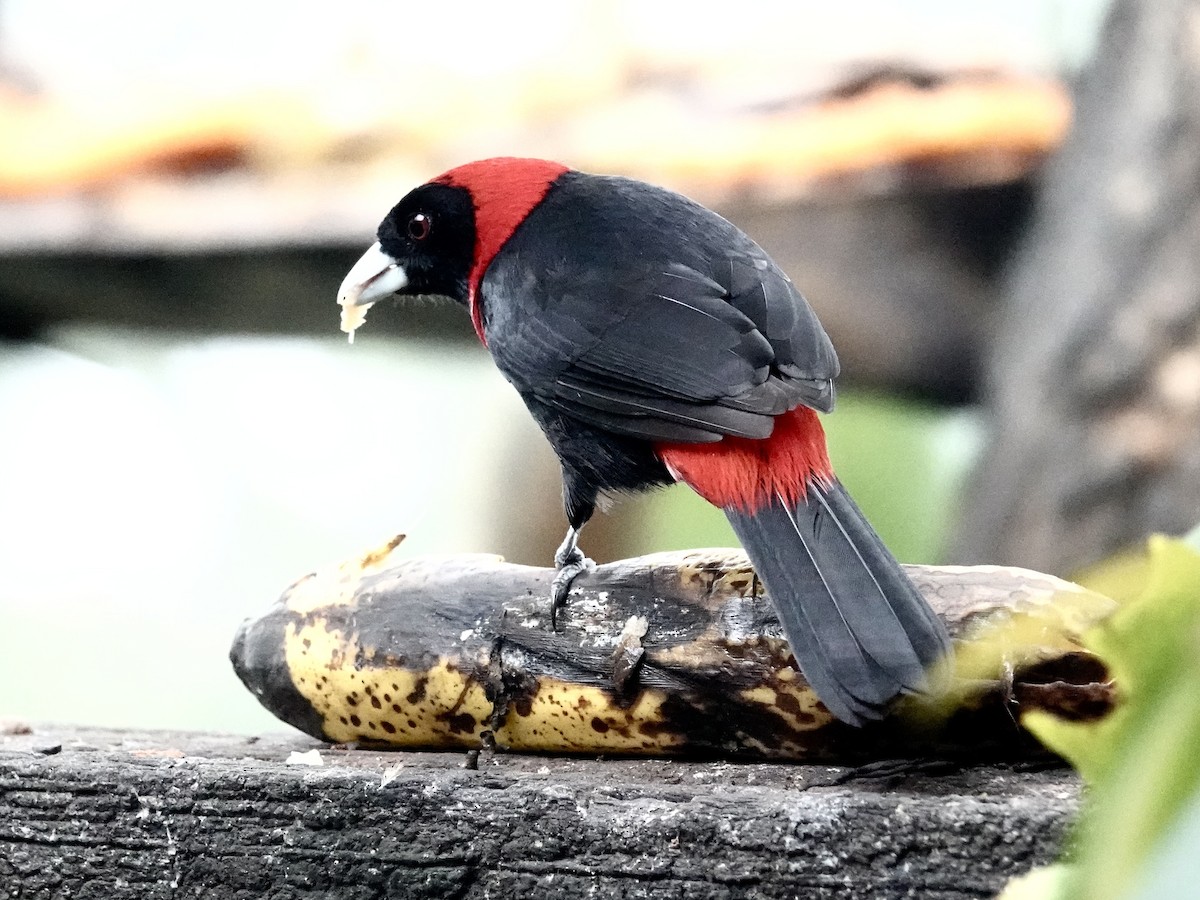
(654, 342)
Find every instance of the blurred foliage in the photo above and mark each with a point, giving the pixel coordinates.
(1138, 831)
(903, 460)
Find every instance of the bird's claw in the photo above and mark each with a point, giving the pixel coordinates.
(570, 566)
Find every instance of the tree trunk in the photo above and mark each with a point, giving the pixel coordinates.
(1095, 378)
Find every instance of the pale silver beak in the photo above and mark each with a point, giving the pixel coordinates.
(375, 276)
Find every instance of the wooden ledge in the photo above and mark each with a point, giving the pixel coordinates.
(131, 814)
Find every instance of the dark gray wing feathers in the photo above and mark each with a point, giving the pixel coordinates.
(643, 313)
(690, 360)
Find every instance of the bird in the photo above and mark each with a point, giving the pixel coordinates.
(654, 342)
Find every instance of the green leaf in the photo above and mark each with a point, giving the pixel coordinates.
(1141, 762)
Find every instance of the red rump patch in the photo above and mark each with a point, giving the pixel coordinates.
(505, 190)
(748, 474)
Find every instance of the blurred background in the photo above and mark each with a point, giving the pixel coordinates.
(184, 431)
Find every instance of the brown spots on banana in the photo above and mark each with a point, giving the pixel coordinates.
(564, 717)
(357, 700)
(789, 697)
(710, 572)
(668, 654)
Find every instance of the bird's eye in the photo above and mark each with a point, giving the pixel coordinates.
(418, 227)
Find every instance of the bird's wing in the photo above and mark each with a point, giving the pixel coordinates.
(670, 353)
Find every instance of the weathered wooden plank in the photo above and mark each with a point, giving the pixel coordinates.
(124, 815)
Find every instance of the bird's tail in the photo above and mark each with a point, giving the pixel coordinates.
(858, 628)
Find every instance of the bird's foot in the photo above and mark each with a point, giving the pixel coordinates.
(570, 564)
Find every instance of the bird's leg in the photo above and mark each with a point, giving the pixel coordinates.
(569, 563)
(579, 502)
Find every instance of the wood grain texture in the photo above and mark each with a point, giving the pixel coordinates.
(124, 815)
